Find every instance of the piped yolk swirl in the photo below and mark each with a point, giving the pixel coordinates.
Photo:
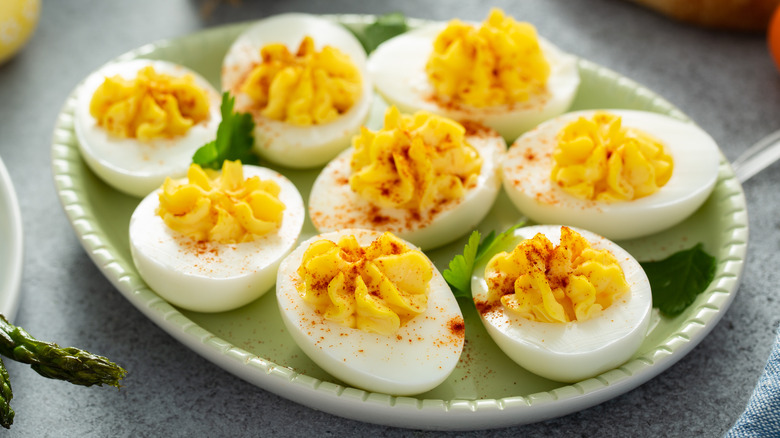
(224, 208)
(499, 63)
(153, 105)
(305, 88)
(568, 282)
(599, 159)
(413, 162)
(377, 288)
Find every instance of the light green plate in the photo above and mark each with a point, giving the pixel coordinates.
(486, 389)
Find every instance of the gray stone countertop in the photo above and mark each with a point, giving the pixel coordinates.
(726, 82)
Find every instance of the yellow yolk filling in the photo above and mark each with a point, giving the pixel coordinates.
(600, 160)
(223, 208)
(546, 283)
(152, 105)
(377, 288)
(414, 161)
(305, 88)
(499, 63)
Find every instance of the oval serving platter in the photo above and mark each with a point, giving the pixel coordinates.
(487, 389)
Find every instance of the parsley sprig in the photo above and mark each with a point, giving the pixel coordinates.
(382, 29)
(458, 274)
(677, 280)
(235, 138)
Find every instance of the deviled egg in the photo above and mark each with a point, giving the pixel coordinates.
(213, 241)
(619, 173)
(139, 121)
(303, 78)
(426, 178)
(371, 310)
(564, 303)
(500, 74)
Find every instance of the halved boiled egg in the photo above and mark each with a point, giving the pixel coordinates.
(424, 177)
(213, 242)
(620, 173)
(500, 74)
(303, 78)
(139, 121)
(564, 303)
(371, 310)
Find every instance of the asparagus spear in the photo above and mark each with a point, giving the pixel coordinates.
(6, 413)
(50, 360)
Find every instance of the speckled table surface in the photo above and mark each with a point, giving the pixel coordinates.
(726, 82)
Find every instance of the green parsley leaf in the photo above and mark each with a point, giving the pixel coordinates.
(235, 137)
(382, 29)
(458, 274)
(491, 240)
(678, 279)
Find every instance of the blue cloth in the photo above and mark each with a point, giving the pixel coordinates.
(762, 414)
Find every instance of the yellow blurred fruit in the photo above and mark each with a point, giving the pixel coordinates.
(18, 19)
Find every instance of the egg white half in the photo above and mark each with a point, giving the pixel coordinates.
(280, 142)
(417, 358)
(570, 352)
(127, 164)
(397, 68)
(211, 276)
(528, 163)
(334, 206)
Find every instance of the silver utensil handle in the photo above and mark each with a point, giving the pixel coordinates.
(758, 157)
